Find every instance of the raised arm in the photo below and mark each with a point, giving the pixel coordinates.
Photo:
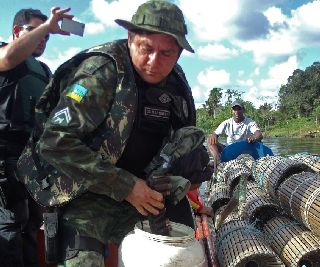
(24, 45)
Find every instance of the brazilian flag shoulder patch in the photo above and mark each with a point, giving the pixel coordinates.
(77, 92)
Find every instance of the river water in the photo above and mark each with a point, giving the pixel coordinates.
(291, 146)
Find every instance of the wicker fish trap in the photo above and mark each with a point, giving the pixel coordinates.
(240, 244)
(313, 161)
(225, 166)
(249, 185)
(252, 185)
(232, 174)
(246, 159)
(299, 196)
(219, 195)
(234, 215)
(274, 170)
(294, 243)
(260, 166)
(218, 175)
(259, 206)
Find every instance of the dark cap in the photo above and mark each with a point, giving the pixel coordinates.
(159, 16)
(23, 16)
(237, 103)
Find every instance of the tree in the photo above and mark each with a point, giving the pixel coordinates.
(213, 101)
(290, 94)
(298, 97)
(204, 121)
(317, 114)
(232, 94)
(266, 113)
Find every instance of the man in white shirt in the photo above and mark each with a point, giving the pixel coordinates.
(238, 128)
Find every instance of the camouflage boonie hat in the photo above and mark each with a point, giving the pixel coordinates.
(159, 16)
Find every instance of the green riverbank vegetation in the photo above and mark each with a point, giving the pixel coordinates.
(297, 113)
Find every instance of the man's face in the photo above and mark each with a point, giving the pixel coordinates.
(153, 55)
(237, 113)
(25, 29)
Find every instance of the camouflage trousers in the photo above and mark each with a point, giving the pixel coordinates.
(99, 217)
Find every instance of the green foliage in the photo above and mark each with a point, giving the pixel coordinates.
(297, 127)
(213, 101)
(317, 110)
(204, 120)
(232, 94)
(207, 122)
(299, 97)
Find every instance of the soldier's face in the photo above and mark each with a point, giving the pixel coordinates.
(153, 55)
(25, 29)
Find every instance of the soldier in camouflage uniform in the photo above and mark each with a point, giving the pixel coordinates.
(137, 95)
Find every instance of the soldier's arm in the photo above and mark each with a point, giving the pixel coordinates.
(81, 112)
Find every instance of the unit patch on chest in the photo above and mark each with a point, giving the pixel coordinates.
(156, 113)
(164, 98)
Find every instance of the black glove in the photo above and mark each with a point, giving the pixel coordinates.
(159, 224)
(194, 166)
(161, 184)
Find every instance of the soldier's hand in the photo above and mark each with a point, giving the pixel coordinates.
(144, 199)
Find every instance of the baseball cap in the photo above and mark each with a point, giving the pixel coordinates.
(237, 103)
(159, 16)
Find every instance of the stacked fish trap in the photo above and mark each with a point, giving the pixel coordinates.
(234, 215)
(270, 172)
(247, 160)
(281, 185)
(233, 172)
(260, 167)
(219, 173)
(219, 195)
(259, 207)
(239, 244)
(299, 196)
(295, 245)
(313, 161)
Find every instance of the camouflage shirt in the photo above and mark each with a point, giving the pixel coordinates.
(92, 97)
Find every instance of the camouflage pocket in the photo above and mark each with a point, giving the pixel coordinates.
(47, 186)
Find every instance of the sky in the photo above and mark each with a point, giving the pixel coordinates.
(252, 46)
